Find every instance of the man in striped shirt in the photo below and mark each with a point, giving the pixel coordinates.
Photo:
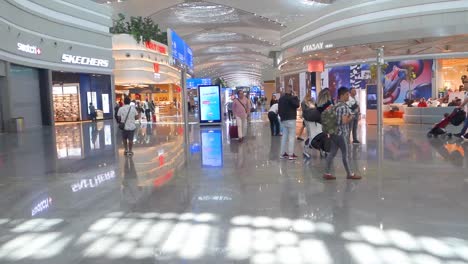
(339, 140)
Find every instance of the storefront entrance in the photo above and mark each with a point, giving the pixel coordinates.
(73, 92)
(66, 99)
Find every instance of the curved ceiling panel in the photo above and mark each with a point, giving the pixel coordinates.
(227, 37)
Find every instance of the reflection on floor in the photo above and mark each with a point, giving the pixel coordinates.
(70, 196)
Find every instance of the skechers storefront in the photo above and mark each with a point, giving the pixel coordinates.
(52, 76)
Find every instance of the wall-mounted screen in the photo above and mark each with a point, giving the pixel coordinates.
(209, 102)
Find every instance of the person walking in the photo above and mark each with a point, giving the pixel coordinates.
(313, 126)
(354, 106)
(92, 112)
(229, 107)
(116, 110)
(147, 109)
(127, 116)
(287, 110)
(335, 122)
(324, 100)
(152, 110)
(241, 110)
(274, 121)
(273, 100)
(463, 133)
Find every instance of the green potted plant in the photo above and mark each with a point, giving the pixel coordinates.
(142, 29)
(119, 26)
(373, 72)
(221, 82)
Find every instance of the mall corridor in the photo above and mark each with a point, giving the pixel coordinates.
(70, 196)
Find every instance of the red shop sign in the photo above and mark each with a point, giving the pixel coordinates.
(156, 67)
(156, 47)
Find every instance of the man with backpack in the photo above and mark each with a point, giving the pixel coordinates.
(335, 123)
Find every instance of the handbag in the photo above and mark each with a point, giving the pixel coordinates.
(122, 125)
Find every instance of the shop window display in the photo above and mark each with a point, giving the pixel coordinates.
(71, 102)
(66, 103)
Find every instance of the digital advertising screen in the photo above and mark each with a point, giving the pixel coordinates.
(371, 96)
(209, 102)
(212, 147)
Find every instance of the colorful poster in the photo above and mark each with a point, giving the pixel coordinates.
(395, 79)
(209, 104)
(398, 86)
(338, 77)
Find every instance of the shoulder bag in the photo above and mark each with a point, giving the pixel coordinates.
(245, 108)
(122, 125)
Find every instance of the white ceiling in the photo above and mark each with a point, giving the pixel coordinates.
(230, 38)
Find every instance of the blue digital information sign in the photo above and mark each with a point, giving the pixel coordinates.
(180, 51)
(209, 102)
(194, 83)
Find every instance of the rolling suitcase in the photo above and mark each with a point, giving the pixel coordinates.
(233, 132)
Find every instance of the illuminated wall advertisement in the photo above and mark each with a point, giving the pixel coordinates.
(105, 103)
(212, 147)
(210, 104)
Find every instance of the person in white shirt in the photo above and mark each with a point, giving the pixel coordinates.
(354, 105)
(463, 133)
(127, 115)
(274, 121)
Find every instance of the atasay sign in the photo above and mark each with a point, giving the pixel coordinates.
(72, 59)
(316, 46)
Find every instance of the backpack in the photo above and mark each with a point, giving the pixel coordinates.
(329, 120)
(312, 115)
(321, 142)
(458, 118)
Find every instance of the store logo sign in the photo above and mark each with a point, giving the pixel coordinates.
(67, 58)
(156, 67)
(316, 46)
(156, 47)
(29, 49)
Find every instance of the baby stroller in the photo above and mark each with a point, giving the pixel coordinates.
(322, 143)
(316, 141)
(455, 118)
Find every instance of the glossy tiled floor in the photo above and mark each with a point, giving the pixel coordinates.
(69, 196)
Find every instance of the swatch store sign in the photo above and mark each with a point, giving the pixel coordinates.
(87, 61)
(31, 49)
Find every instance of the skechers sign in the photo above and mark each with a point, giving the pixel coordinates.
(29, 49)
(67, 58)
